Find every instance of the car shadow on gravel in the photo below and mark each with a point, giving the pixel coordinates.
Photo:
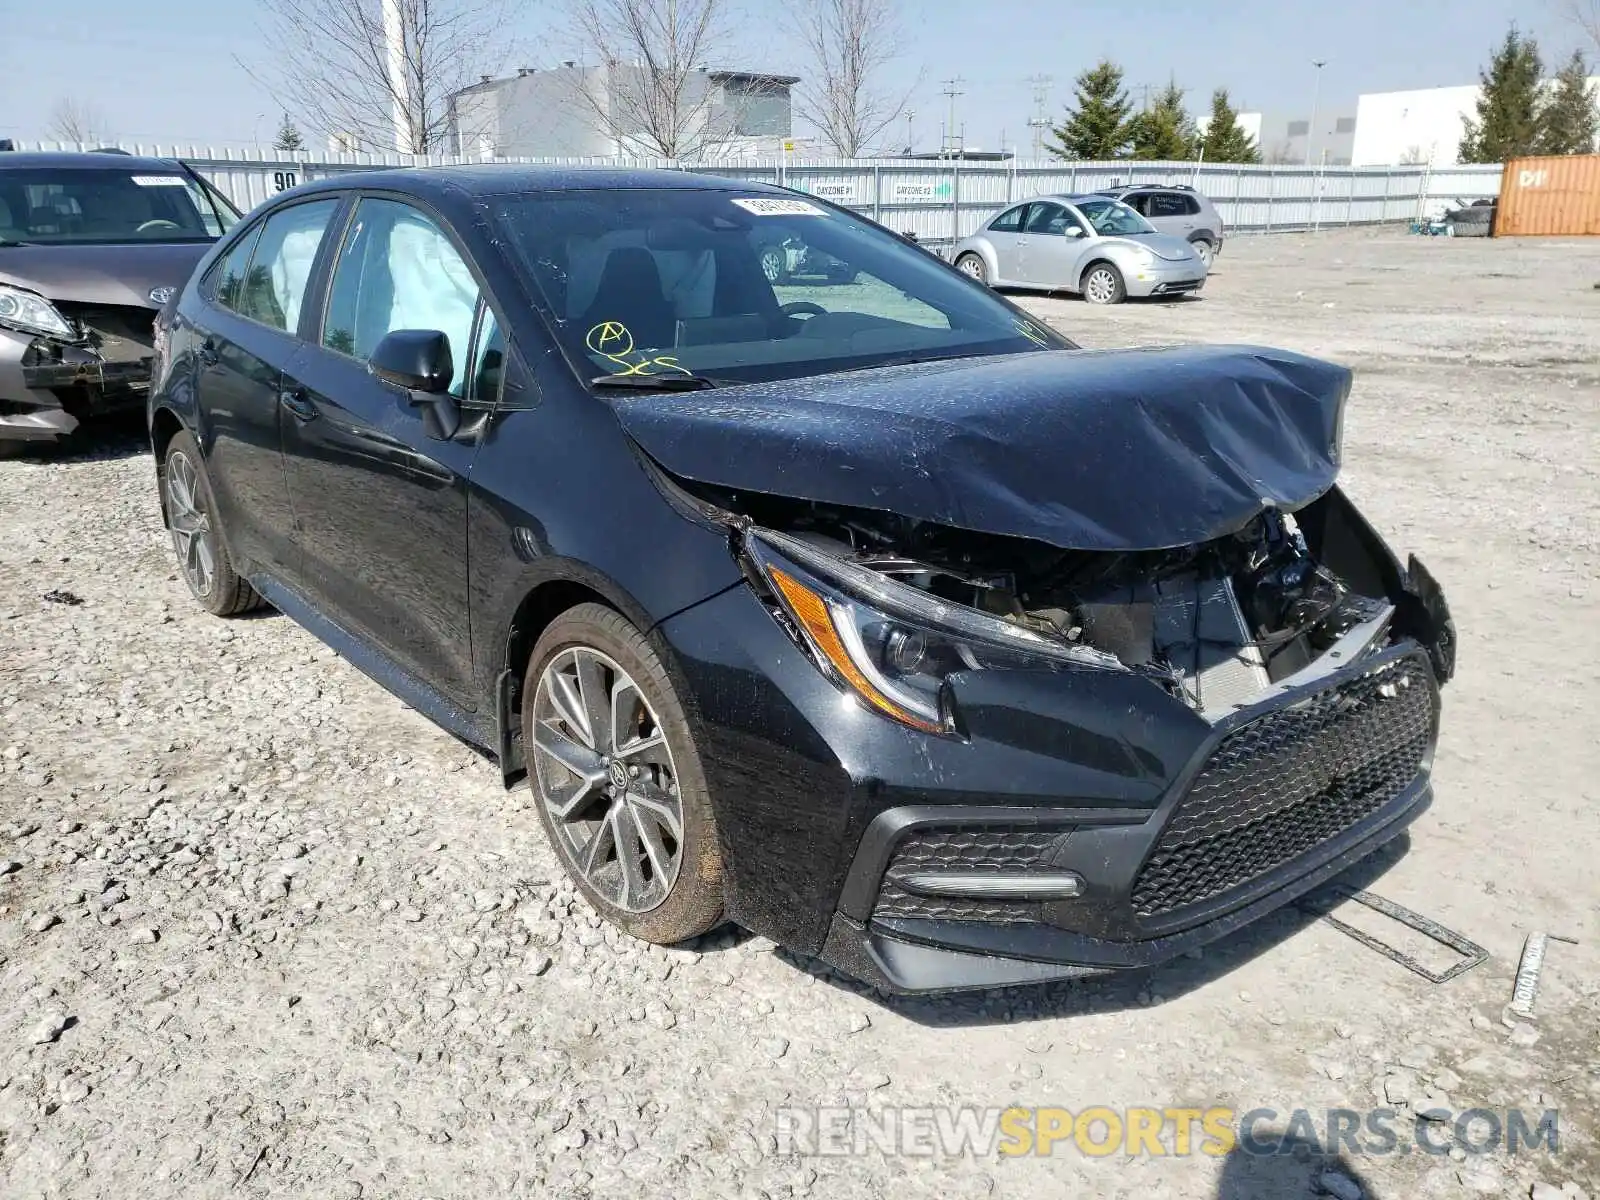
(1280, 1165)
(100, 439)
(1120, 990)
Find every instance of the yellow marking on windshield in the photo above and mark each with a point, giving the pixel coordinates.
(613, 341)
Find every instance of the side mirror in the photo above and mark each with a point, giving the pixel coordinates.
(1073, 231)
(415, 359)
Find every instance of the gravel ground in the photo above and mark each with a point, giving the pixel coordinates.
(265, 931)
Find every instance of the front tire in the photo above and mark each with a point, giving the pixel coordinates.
(973, 266)
(1102, 284)
(617, 778)
(774, 260)
(191, 512)
(1206, 251)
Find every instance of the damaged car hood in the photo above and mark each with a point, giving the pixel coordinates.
(1109, 450)
(120, 274)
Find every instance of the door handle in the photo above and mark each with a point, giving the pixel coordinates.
(298, 403)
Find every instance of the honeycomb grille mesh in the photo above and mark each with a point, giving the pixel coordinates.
(1288, 781)
(963, 848)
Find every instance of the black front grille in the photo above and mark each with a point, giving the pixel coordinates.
(1285, 783)
(998, 847)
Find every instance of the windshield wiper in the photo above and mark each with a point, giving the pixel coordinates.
(9, 242)
(656, 383)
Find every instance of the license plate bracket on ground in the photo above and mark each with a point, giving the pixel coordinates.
(1323, 902)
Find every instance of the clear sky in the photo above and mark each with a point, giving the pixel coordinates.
(166, 70)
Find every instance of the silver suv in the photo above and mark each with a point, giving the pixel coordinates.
(1177, 208)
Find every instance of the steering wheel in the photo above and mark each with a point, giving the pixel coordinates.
(158, 223)
(799, 308)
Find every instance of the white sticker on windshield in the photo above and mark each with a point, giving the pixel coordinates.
(159, 180)
(765, 206)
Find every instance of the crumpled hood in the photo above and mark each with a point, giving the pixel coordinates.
(120, 274)
(1110, 450)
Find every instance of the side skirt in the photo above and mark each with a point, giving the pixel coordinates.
(377, 666)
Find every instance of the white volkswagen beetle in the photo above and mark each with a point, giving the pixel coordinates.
(1092, 245)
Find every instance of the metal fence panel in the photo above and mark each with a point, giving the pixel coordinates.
(941, 201)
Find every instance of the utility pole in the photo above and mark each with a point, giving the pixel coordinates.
(1316, 99)
(1038, 123)
(952, 89)
(910, 144)
(394, 60)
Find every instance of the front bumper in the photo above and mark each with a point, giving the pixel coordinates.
(1177, 831)
(1166, 279)
(48, 387)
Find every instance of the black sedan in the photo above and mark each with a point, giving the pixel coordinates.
(865, 610)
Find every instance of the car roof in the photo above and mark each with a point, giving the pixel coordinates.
(498, 179)
(68, 160)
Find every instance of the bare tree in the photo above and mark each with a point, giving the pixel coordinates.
(75, 121)
(1280, 153)
(651, 92)
(1585, 14)
(847, 45)
(378, 73)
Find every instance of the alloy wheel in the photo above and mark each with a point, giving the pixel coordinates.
(1101, 286)
(972, 266)
(1203, 249)
(773, 261)
(192, 535)
(605, 775)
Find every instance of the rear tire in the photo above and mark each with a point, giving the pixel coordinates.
(1102, 284)
(197, 537)
(617, 778)
(973, 266)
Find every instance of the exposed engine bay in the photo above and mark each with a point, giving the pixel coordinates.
(1217, 624)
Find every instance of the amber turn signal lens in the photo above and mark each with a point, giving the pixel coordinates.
(811, 610)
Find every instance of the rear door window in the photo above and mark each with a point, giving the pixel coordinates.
(225, 283)
(399, 270)
(1167, 204)
(275, 288)
(1009, 222)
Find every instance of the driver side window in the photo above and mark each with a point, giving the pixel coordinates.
(1051, 220)
(398, 270)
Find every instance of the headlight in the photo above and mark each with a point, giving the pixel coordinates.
(890, 644)
(32, 313)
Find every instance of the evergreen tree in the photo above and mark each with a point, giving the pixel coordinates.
(288, 139)
(1099, 126)
(1164, 130)
(1569, 121)
(1508, 122)
(1225, 141)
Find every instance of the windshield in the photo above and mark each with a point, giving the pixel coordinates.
(742, 288)
(1112, 218)
(46, 206)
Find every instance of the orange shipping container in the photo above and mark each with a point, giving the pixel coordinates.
(1553, 196)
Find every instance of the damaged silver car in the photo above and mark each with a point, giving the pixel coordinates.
(91, 247)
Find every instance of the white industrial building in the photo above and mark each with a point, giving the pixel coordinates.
(1416, 127)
